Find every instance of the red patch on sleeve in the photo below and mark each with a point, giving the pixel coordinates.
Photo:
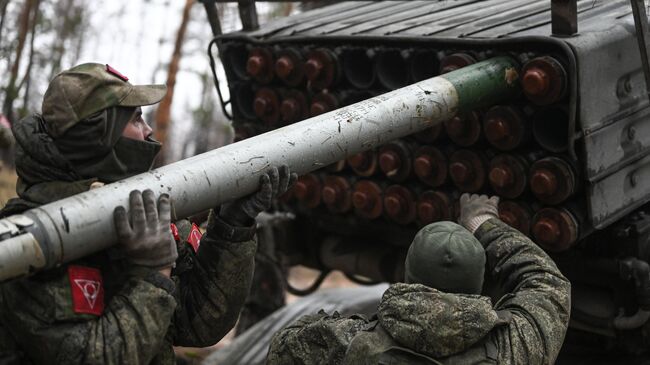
(117, 73)
(194, 239)
(177, 237)
(87, 290)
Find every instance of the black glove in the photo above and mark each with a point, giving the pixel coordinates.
(242, 212)
(145, 235)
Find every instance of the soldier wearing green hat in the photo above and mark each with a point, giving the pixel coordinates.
(163, 284)
(438, 316)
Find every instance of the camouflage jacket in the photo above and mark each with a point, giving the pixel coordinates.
(416, 324)
(144, 314)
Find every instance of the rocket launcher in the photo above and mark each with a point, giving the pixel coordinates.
(71, 228)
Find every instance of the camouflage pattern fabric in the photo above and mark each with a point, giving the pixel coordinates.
(526, 326)
(85, 89)
(145, 312)
(315, 339)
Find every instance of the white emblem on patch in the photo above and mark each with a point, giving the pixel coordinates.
(90, 289)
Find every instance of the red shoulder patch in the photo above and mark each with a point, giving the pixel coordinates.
(177, 237)
(117, 73)
(87, 290)
(194, 239)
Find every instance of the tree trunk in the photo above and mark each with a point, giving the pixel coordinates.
(3, 14)
(11, 92)
(30, 61)
(163, 114)
(63, 32)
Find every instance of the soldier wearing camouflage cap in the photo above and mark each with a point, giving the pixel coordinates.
(163, 284)
(438, 316)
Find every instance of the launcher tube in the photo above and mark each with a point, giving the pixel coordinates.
(74, 227)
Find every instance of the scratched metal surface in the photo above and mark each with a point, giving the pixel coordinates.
(441, 19)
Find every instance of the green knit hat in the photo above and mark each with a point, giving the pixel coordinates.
(447, 257)
(83, 90)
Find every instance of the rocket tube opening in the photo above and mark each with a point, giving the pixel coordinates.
(424, 64)
(390, 66)
(358, 68)
(243, 102)
(550, 129)
(236, 56)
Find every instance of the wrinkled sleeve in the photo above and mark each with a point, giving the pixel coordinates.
(212, 291)
(537, 300)
(9, 353)
(129, 331)
(315, 339)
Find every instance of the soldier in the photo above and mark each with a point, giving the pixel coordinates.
(438, 316)
(131, 303)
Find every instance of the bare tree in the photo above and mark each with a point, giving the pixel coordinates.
(70, 17)
(11, 91)
(26, 82)
(163, 113)
(3, 14)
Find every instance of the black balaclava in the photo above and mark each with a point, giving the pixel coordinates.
(96, 149)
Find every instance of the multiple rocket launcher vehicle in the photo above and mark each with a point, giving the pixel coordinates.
(569, 156)
(329, 93)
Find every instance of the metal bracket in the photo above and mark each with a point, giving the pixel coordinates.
(248, 15)
(564, 17)
(641, 25)
(213, 16)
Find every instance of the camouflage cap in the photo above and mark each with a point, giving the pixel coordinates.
(83, 90)
(447, 257)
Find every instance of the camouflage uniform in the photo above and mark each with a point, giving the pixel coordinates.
(143, 313)
(416, 324)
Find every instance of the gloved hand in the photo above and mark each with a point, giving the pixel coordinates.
(243, 211)
(145, 234)
(476, 209)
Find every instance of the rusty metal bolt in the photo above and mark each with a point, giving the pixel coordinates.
(546, 231)
(509, 218)
(536, 82)
(427, 212)
(255, 65)
(424, 166)
(261, 106)
(284, 66)
(543, 182)
(331, 195)
(290, 109)
(456, 126)
(455, 61)
(497, 129)
(358, 161)
(361, 200)
(301, 190)
(318, 108)
(460, 172)
(394, 205)
(501, 176)
(313, 68)
(390, 162)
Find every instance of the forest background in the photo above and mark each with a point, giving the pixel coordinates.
(150, 41)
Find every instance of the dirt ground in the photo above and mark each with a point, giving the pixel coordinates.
(7, 184)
